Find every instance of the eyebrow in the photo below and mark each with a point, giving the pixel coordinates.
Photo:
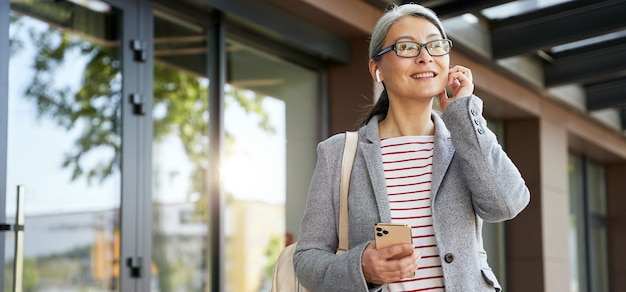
(412, 38)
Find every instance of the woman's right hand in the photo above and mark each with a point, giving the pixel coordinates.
(380, 267)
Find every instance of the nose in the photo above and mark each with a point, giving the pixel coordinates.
(423, 56)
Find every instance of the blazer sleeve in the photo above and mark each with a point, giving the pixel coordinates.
(316, 263)
(498, 190)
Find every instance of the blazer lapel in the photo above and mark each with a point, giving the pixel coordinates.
(370, 144)
(442, 156)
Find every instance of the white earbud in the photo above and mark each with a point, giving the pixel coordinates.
(377, 76)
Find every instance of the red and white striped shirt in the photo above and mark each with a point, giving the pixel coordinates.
(407, 162)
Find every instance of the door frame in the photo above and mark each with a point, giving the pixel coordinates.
(135, 201)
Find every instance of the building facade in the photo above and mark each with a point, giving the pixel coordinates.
(168, 145)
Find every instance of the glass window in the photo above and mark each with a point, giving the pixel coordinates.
(64, 141)
(180, 150)
(598, 246)
(578, 259)
(588, 228)
(271, 125)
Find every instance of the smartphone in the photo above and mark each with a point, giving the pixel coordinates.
(388, 234)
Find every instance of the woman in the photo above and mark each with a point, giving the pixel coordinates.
(441, 175)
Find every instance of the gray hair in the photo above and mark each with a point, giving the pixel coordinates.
(391, 16)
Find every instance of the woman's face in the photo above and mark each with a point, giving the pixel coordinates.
(421, 77)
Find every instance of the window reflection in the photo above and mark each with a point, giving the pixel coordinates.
(254, 183)
(270, 118)
(597, 212)
(180, 151)
(263, 96)
(64, 144)
(588, 225)
(578, 260)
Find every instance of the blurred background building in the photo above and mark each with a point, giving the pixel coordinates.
(168, 145)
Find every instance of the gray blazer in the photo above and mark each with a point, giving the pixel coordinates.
(473, 180)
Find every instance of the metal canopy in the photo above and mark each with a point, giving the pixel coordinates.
(556, 25)
(588, 64)
(578, 42)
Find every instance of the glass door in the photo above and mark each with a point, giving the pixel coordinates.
(270, 119)
(180, 150)
(270, 113)
(66, 128)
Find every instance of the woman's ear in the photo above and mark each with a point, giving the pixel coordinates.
(374, 71)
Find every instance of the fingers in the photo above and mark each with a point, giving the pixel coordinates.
(396, 251)
(389, 264)
(461, 83)
(463, 71)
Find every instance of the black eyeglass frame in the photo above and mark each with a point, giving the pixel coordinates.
(393, 47)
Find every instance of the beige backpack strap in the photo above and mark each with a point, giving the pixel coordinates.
(349, 152)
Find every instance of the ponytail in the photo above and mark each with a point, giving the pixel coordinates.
(380, 108)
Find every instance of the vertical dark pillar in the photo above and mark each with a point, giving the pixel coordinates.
(616, 214)
(350, 89)
(217, 77)
(524, 233)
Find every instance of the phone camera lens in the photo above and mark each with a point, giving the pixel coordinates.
(379, 234)
(378, 229)
(386, 232)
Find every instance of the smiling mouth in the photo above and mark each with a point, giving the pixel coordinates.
(423, 75)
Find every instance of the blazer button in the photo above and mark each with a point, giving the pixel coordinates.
(481, 131)
(449, 257)
(473, 112)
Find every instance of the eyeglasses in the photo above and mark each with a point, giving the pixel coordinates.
(406, 49)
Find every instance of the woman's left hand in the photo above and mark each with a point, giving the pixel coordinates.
(461, 82)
